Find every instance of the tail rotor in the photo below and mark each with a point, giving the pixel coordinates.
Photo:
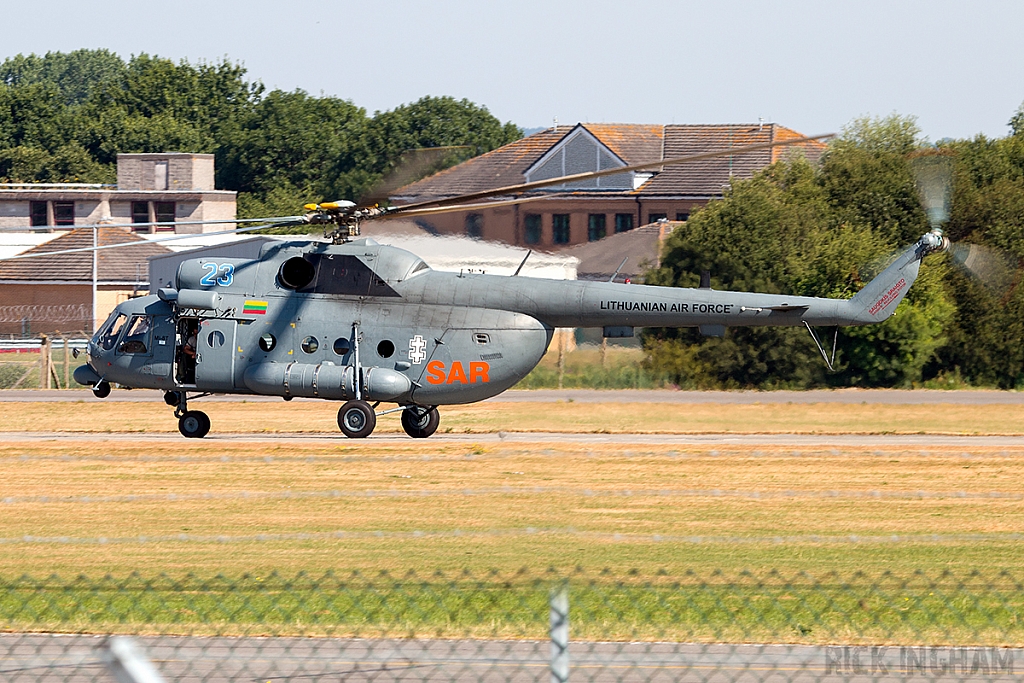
(993, 268)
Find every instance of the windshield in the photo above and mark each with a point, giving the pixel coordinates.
(418, 268)
(136, 336)
(111, 329)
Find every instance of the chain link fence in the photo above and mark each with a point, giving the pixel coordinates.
(522, 626)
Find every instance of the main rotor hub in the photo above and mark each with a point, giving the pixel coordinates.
(343, 214)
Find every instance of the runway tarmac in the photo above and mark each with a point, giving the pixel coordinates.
(882, 396)
(76, 658)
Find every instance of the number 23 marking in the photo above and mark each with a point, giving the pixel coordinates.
(222, 274)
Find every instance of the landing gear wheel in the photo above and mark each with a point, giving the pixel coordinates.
(357, 419)
(194, 424)
(419, 424)
(101, 390)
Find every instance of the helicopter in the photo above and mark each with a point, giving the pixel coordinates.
(351, 320)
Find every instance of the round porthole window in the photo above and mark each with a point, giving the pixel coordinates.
(310, 344)
(385, 349)
(267, 342)
(215, 339)
(342, 346)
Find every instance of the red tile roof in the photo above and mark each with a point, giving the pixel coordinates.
(635, 144)
(127, 264)
(499, 168)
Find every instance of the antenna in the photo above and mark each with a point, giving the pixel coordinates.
(523, 263)
(612, 278)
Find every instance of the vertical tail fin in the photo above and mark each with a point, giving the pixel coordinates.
(880, 297)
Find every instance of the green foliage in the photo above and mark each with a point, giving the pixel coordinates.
(807, 231)
(869, 182)
(586, 367)
(1017, 121)
(436, 122)
(74, 74)
(66, 116)
(297, 140)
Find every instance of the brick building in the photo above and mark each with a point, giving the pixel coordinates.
(54, 292)
(587, 211)
(167, 187)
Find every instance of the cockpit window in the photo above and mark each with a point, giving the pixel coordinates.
(422, 265)
(112, 331)
(136, 337)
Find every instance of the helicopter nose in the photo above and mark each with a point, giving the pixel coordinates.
(84, 374)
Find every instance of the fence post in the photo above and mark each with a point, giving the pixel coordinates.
(44, 362)
(559, 633)
(67, 364)
(127, 662)
(561, 356)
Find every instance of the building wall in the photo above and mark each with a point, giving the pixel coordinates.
(115, 207)
(184, 171)
(53, 308)
(507, 223)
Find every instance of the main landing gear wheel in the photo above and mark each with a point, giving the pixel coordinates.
(194, 424)
(101, 390)
(357, 419)
(419, 423)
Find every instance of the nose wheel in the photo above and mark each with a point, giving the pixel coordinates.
(102, 389)
(420, 422)
(357, 419)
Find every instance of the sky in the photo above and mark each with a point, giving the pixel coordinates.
(814, 66)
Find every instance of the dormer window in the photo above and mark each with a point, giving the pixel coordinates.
(580, 152)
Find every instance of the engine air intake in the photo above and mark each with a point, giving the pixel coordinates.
(296, 273)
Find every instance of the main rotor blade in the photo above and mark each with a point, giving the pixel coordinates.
(433, 210)
(576, 177)
(216, 221)
(412, 165)
(170, 238)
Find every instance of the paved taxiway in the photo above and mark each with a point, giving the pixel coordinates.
(77, 658)
(882, 396)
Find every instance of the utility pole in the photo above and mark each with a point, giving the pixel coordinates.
(95, 260)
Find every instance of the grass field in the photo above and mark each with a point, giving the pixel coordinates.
(574, 499)
(98, 505)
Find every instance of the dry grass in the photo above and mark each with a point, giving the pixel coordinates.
(320, 417)
(569, 476)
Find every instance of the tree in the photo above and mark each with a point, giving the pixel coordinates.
(75, 75)
(797, 229)
(434, 122)
(311, 144)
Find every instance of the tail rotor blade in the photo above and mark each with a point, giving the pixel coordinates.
(933, 172)
(995, 269)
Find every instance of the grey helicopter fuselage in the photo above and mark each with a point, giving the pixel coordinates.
(373, 323)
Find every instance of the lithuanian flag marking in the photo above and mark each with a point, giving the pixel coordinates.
(254, 308)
